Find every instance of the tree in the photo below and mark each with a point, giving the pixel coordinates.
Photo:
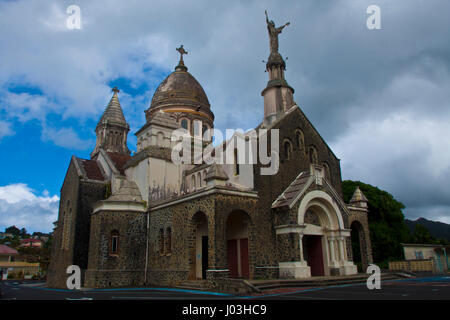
(13, 230)
(23, 233)
(422, 235)
(386, 221)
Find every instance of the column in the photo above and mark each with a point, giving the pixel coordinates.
(300, 237)
(341, 249)
(331, 244)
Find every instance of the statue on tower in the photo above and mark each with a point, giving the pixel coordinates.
(273, 34)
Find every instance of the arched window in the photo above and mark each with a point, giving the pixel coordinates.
(236, 163)
(313, 155)
(169, 240)
(67, 221)
(114, 243)
(160, 139)
(184, 124)
(326, 168)
(300, 139)
(161, 241)
(199, 178)
(287, 147)
(193, 184)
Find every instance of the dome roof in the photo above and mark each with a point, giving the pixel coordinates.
(180, 88)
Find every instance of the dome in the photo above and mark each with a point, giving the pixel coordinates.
(180, 88)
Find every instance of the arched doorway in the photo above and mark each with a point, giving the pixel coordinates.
(313, 241)
(199, 249)
(358, 248)
(323, 236)
(237, 244)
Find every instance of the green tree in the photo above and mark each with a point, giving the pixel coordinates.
(23, 233)
(13, 230)
(386, 221)
(422, 235)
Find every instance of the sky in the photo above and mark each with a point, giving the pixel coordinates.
(380, 98)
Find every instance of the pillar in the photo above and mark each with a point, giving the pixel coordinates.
(332, 252)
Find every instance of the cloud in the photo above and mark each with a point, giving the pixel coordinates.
(22, 207)
(5, 129)
(403, 155)
(67, 138)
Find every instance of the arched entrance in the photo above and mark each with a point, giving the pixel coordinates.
(358, 245)
(199, 249)
(323, 236)
(237, 244)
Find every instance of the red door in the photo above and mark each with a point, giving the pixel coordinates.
(244, 258)
(232, 258)
(315, 255)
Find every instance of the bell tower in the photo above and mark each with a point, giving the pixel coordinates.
(112, 129)
(278, 95)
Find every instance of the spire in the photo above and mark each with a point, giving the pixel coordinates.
(181, 66)
(359, 199)
(113, 112)
(112, 129)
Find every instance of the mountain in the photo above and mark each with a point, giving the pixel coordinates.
(437, 229)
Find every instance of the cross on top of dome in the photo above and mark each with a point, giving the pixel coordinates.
(181, 66)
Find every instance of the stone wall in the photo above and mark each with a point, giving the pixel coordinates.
(358, 218)
(179, 264)
(125, 268)
(61, 258)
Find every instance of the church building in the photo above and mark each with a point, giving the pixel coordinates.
(142, 219)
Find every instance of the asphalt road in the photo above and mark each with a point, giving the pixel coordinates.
(431, 288)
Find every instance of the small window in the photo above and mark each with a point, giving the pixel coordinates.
(300, 139)
(313, 155)
(327, 171)
(193, 184)
(287, 150)
(184, 124)
(114, 247)
(161, 241)
(419, 254)
(236, 163)
(199, 178)
(169, 241)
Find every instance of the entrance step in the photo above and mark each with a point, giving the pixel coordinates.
(268, 285)
(200, 285)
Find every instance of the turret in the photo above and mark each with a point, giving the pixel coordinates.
(112, 129)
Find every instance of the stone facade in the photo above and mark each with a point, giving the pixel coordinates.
(78, 195)
(126, 267)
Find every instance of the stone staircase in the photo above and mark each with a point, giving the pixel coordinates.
(269, 285)
(200, 285)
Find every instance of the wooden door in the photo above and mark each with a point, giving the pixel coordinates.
(232, 258)
(204, 256)
(245, 272)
